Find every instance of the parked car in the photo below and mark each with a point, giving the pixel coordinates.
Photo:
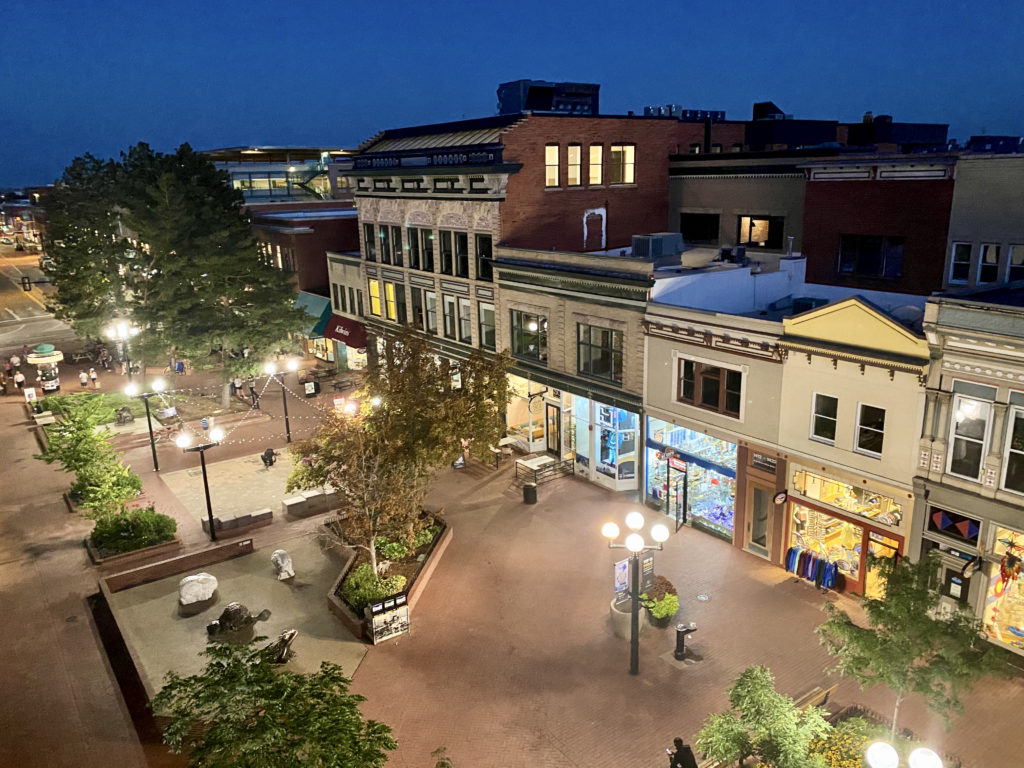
(6, 241)
(47, 263)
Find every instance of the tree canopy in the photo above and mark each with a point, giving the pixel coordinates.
(160, 240)
(252, 713)
(908, 644)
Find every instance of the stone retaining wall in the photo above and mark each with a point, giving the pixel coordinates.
(160, 570)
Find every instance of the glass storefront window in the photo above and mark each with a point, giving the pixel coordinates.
(581, 417)
(692, 442)
(1004, 603)
(850, 498)
(836, 540)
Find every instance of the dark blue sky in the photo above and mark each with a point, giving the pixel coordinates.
(99, 76)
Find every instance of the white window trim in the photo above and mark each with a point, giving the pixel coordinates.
(856, 431)
(999, 258)
(1011, 416)
(744, 370)
(1009, 258)
(952, 437)
(970, 259)
(811, 435)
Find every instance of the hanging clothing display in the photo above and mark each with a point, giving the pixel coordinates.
(812, 567)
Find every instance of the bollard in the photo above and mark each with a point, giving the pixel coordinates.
(682, 630)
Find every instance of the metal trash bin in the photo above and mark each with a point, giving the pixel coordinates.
(529, 493)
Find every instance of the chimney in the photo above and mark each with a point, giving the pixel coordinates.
(868, 118)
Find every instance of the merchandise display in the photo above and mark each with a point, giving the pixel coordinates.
(694, 443)
(849, 498)
(1004, 603)
(828, 538)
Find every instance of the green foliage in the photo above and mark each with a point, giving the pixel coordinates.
(762, 723)
(441, 759)
(424, 536)
(132, 529)
(663, 608)
(394, 550)
(261, 716)
(103, 488)
(844, 745)
(110, 402)
(363, 586)
(907, 645)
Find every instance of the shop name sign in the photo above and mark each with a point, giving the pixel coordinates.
(676, 463)
(347, 331)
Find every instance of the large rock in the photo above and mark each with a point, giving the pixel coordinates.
(282, 564)
(196, 588)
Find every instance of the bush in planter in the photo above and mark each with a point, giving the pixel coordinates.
(424, 536)
(362, 587)
(394, 550)
(662, 599)
(132, 529)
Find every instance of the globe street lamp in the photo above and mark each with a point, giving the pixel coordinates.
(132, 390)
(271, 369)
(635, 543)
(121, 332)
(882, 754)
(184, 440)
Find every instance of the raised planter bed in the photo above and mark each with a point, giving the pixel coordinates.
(234, 526)
(129, 559)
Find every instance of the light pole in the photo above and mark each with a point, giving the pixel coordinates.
(121, 332)
(183, 441)
(635, 544)
(882, 754)
(271, 369)
(132, 391)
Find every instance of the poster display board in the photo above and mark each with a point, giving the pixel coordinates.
(388, 618)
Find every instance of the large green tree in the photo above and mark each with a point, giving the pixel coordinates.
(251, 713)
(908, 643)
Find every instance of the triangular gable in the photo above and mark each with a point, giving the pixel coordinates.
(853, 322)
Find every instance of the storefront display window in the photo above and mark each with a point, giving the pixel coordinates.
(525, 413)
(321, 348)
(581, 418)
(691, 442)
(1004, 603)
(849, 498)
(617, 456)
(837, 541)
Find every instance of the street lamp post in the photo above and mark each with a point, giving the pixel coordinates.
(132, 390)
(121, 332)
(882, 754)
(636, 545)
(271, 370)
(183, 441)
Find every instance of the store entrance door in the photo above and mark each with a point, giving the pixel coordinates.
(759, 514)
(879, 547)
(554, 429)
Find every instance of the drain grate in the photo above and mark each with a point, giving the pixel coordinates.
(704, 597)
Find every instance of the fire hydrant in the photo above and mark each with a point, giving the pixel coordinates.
(682, 630)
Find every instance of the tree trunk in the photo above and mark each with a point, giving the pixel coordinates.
(373, 547)
(895, 714)
(225, 395)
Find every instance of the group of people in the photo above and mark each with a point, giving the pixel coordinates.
(12, 371)
(238, 388)
(84, 378)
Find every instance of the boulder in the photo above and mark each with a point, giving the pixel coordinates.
(196, 588)
(282, 564)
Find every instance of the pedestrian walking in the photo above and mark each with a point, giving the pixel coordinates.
(251, 383)
(16, 362)
(25, 350)
(83, 379)
(8, 368)
(94, 377)
(105, 359)
(19, 380)
(3, 383)
(683, 756)
(237, 384)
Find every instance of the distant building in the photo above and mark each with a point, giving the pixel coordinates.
(279, 174)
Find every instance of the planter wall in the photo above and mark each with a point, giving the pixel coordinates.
(128, 559)
(621, 615)
(171, 567)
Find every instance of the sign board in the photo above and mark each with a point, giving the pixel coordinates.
(676, 463)
(621, 570)
(30, 394)
(310, 388)
(388, 618)
(646, 571)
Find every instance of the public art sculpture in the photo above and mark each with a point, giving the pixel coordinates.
(283, 567)
(196, 588)
(234, 618)
(281, 649)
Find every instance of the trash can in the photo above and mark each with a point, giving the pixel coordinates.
(529, 493)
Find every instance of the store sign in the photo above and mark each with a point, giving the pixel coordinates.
(676, 463)
(388, 618)
(347, 331)
(766, 463)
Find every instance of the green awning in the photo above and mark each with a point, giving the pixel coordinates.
(318, 308)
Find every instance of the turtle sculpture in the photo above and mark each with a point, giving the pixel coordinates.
(235, 617)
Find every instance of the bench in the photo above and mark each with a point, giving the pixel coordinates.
(256, 519)
(340, 385)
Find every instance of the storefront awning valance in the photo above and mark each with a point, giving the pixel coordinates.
(319, 310)
(349, 332)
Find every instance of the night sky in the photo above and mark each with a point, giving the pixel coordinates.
(99, 76)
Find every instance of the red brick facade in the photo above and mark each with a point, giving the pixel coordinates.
(915, 210)
(308, 248)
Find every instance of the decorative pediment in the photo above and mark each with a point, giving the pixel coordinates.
(854, 323)
(453, 220)
(420, 219)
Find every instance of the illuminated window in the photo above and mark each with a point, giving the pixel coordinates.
(529, 336)
(620, 164)
(390, 307)
(596, 160)
(551, 165)
(575, 160)
(449, 316)
(375, 298)
(761, 231)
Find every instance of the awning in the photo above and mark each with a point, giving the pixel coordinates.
(318, 308)
(349, 332)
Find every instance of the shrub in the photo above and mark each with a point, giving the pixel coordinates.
(363, 586)
(661, 609)
(844, 746)
(424, 536)
(394, 550)
(132, 529)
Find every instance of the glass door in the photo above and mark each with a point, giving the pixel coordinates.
(553, 417)
(759, 514)
(879, 547)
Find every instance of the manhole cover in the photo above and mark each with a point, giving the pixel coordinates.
(704, 597)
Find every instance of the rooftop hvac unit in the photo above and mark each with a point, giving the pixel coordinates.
(805, 304)
(658, 245)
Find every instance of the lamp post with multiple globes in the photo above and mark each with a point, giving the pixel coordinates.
(271, 370)
(635, 543)
(882, 754)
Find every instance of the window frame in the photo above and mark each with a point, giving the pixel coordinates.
(369, 242)
(447, 249)
(430, 311)
(983, 443)
(373, 291)
(613, 352)
(887, 244)
(815, 415)
(427, 251)
(625, 166)
(385, 243)
(983, 250)
(390, 302)
(484, 257)
(518, 332)
(574, 167)
(397, 258)
(860, 426)
(483, 306)
(460, 244)
(464, 320)
(954, 263)
(1013, 413)
(551, 166)
(450, 317)
(416, 307)
(412, 235)
(701, 373)
(595, 170)
(1015, 248)
(776, 234)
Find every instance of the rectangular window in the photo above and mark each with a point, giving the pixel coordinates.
(699, 228)
(412, 237)
(1016, 263)
(398, 257)
(599, 352)
(871, 256)
(359, 302)
(390, 306)
(403, 316)
(447, 253)
(761, 231)
(465, 321)
(823, 418)
(710, 387)
(338, 292)
(427, 250)
(573, 176)
(449, 316)
(461, 254)
(596, 164)
(430, 304)
(487, 340)
(484, 258)
(369, 242)
(551, 165)
(416, 300)
(620, 164)
(529, 336)
(988, 263)
(1013, 477)
(375, 298)
(870, 429)
(969, 431)
(960, 270)
(352, 301)
(385, 245)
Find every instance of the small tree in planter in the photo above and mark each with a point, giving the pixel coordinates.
(661, 601)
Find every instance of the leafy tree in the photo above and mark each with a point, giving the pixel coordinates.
(762, 723)
(251, 713)
(907, 645)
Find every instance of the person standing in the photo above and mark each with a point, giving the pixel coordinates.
(683, 756)
(251, 383)
(15, 362)
(19, 380)
(83, 379)
(94, 377)
(237, 383)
